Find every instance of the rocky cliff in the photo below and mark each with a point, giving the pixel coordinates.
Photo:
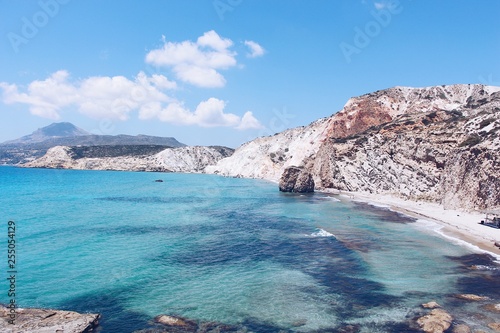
(132, 158)
(268, 157)
(439, 144)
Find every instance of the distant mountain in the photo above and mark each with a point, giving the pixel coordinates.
(53, 131)
(35, 145)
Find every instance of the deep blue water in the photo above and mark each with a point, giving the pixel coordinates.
(234, 251)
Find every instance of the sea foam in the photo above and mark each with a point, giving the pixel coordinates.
(321, 233)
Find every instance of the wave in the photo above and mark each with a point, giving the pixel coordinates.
(438, 229)
(321, 233)
(329, 199)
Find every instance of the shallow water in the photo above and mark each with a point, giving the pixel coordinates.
(234, 251)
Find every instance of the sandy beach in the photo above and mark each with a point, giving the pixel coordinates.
(454, 225)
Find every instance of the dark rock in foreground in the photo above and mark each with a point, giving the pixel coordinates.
(296, 179)
(47, 321)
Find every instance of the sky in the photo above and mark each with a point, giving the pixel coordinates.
(223, 72)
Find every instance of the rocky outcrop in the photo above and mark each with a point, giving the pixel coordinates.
(295, 179)
(438, 144)
(143, 158)
(48, 321)
(268, 157)
(437, 321)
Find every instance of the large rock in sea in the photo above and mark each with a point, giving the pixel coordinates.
(296, 179)
(437, 321)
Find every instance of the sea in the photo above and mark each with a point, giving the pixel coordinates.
(211, 249)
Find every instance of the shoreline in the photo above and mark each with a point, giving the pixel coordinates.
(454, 225)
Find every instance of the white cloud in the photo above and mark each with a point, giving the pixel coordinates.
(213, 40)
(116, 97)
(200, 76)
(98, 96)
(379, 5)
(249, 122)
(197, 63)
(255, 49)
(209, 113)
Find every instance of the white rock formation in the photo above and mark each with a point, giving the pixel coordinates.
(268, 157)
(439, 144)
(183, 159)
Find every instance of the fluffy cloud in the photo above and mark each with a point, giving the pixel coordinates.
(209, 113)
(116, 97)
(255, 49)
(197, 63)
(249, 122)
(98, 97)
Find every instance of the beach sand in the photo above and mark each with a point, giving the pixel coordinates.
(461, 227)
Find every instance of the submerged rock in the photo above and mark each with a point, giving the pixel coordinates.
(461, 329)
(176, 324)
(437, 321)
(431, 305)
(172, 321)
(48, 321)
(349, 329)
(492, 308)
(472, 297)
(494, 326)
(296, 179)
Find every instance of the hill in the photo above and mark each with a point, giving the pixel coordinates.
(36, 144)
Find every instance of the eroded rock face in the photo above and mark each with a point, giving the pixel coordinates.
(437, 321)
(439, 144)
(296, 179)
(48, 321)
(268, 157)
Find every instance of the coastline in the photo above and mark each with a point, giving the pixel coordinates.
(454, 225)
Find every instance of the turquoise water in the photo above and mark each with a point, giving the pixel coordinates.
(234, 251)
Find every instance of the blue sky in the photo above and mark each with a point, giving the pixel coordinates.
(222, 72)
